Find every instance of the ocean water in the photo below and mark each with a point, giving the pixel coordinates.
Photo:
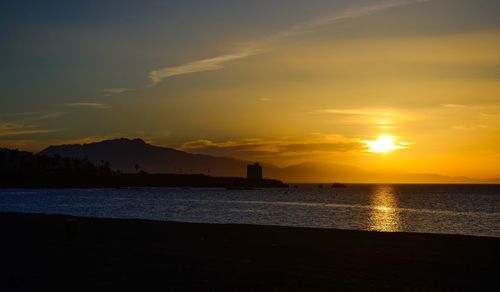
(450, 209)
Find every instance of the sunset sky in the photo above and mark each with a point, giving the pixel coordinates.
(273, 81)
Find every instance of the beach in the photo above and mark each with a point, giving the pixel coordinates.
(59, 252)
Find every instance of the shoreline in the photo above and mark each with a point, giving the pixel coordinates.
(57, 251)
(286, 185)
(109, 179)
(76, 217)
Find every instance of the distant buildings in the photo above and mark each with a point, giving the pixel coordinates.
(254, 171)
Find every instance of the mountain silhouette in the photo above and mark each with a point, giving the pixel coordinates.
(132, 155)
(125, 154)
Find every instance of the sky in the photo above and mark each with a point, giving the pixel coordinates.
(281, 82)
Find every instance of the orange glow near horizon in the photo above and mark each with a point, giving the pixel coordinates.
(332, 86)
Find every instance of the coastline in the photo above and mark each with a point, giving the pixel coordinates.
(61, 252)
(129, 180)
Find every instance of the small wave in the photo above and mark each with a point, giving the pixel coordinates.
(350, 206)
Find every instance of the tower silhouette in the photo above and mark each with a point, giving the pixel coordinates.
(254, 171)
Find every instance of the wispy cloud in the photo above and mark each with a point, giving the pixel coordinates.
(354, 111)
(272, 150)
(453, 105)
(366, 112)
(253, 48)
(382, 118)
(31, 116)
(209, 64)
(462, 127)
(97, 105)
(13, 129)
(113, 91)
(88, 139)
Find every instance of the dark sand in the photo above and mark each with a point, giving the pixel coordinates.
(40, 252)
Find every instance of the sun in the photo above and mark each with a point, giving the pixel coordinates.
(383, 144)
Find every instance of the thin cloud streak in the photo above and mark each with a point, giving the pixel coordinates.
(365, 112)
(31, 116)
(86, 104)
(356, 112)
(253, 48)
(264, 148)
(13, 129)
(113, 91)
(199, 66)
(10, 133)
(453, 105)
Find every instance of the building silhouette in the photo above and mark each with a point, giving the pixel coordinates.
(254, 171)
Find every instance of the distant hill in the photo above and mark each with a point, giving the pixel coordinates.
(20, 169)
(311, 172)
(123, 154)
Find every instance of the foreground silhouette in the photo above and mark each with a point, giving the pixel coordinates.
(46, 253)
(20, 169)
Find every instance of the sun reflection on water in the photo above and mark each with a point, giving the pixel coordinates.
(384, 214)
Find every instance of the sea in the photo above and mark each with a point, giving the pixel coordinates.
(422, 208)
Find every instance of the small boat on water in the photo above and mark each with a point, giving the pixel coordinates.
(338, 185)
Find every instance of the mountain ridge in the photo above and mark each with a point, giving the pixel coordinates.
(124, 154)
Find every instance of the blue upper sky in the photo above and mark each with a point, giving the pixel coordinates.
(63, 51)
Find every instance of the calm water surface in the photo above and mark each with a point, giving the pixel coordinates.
(453, 209)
